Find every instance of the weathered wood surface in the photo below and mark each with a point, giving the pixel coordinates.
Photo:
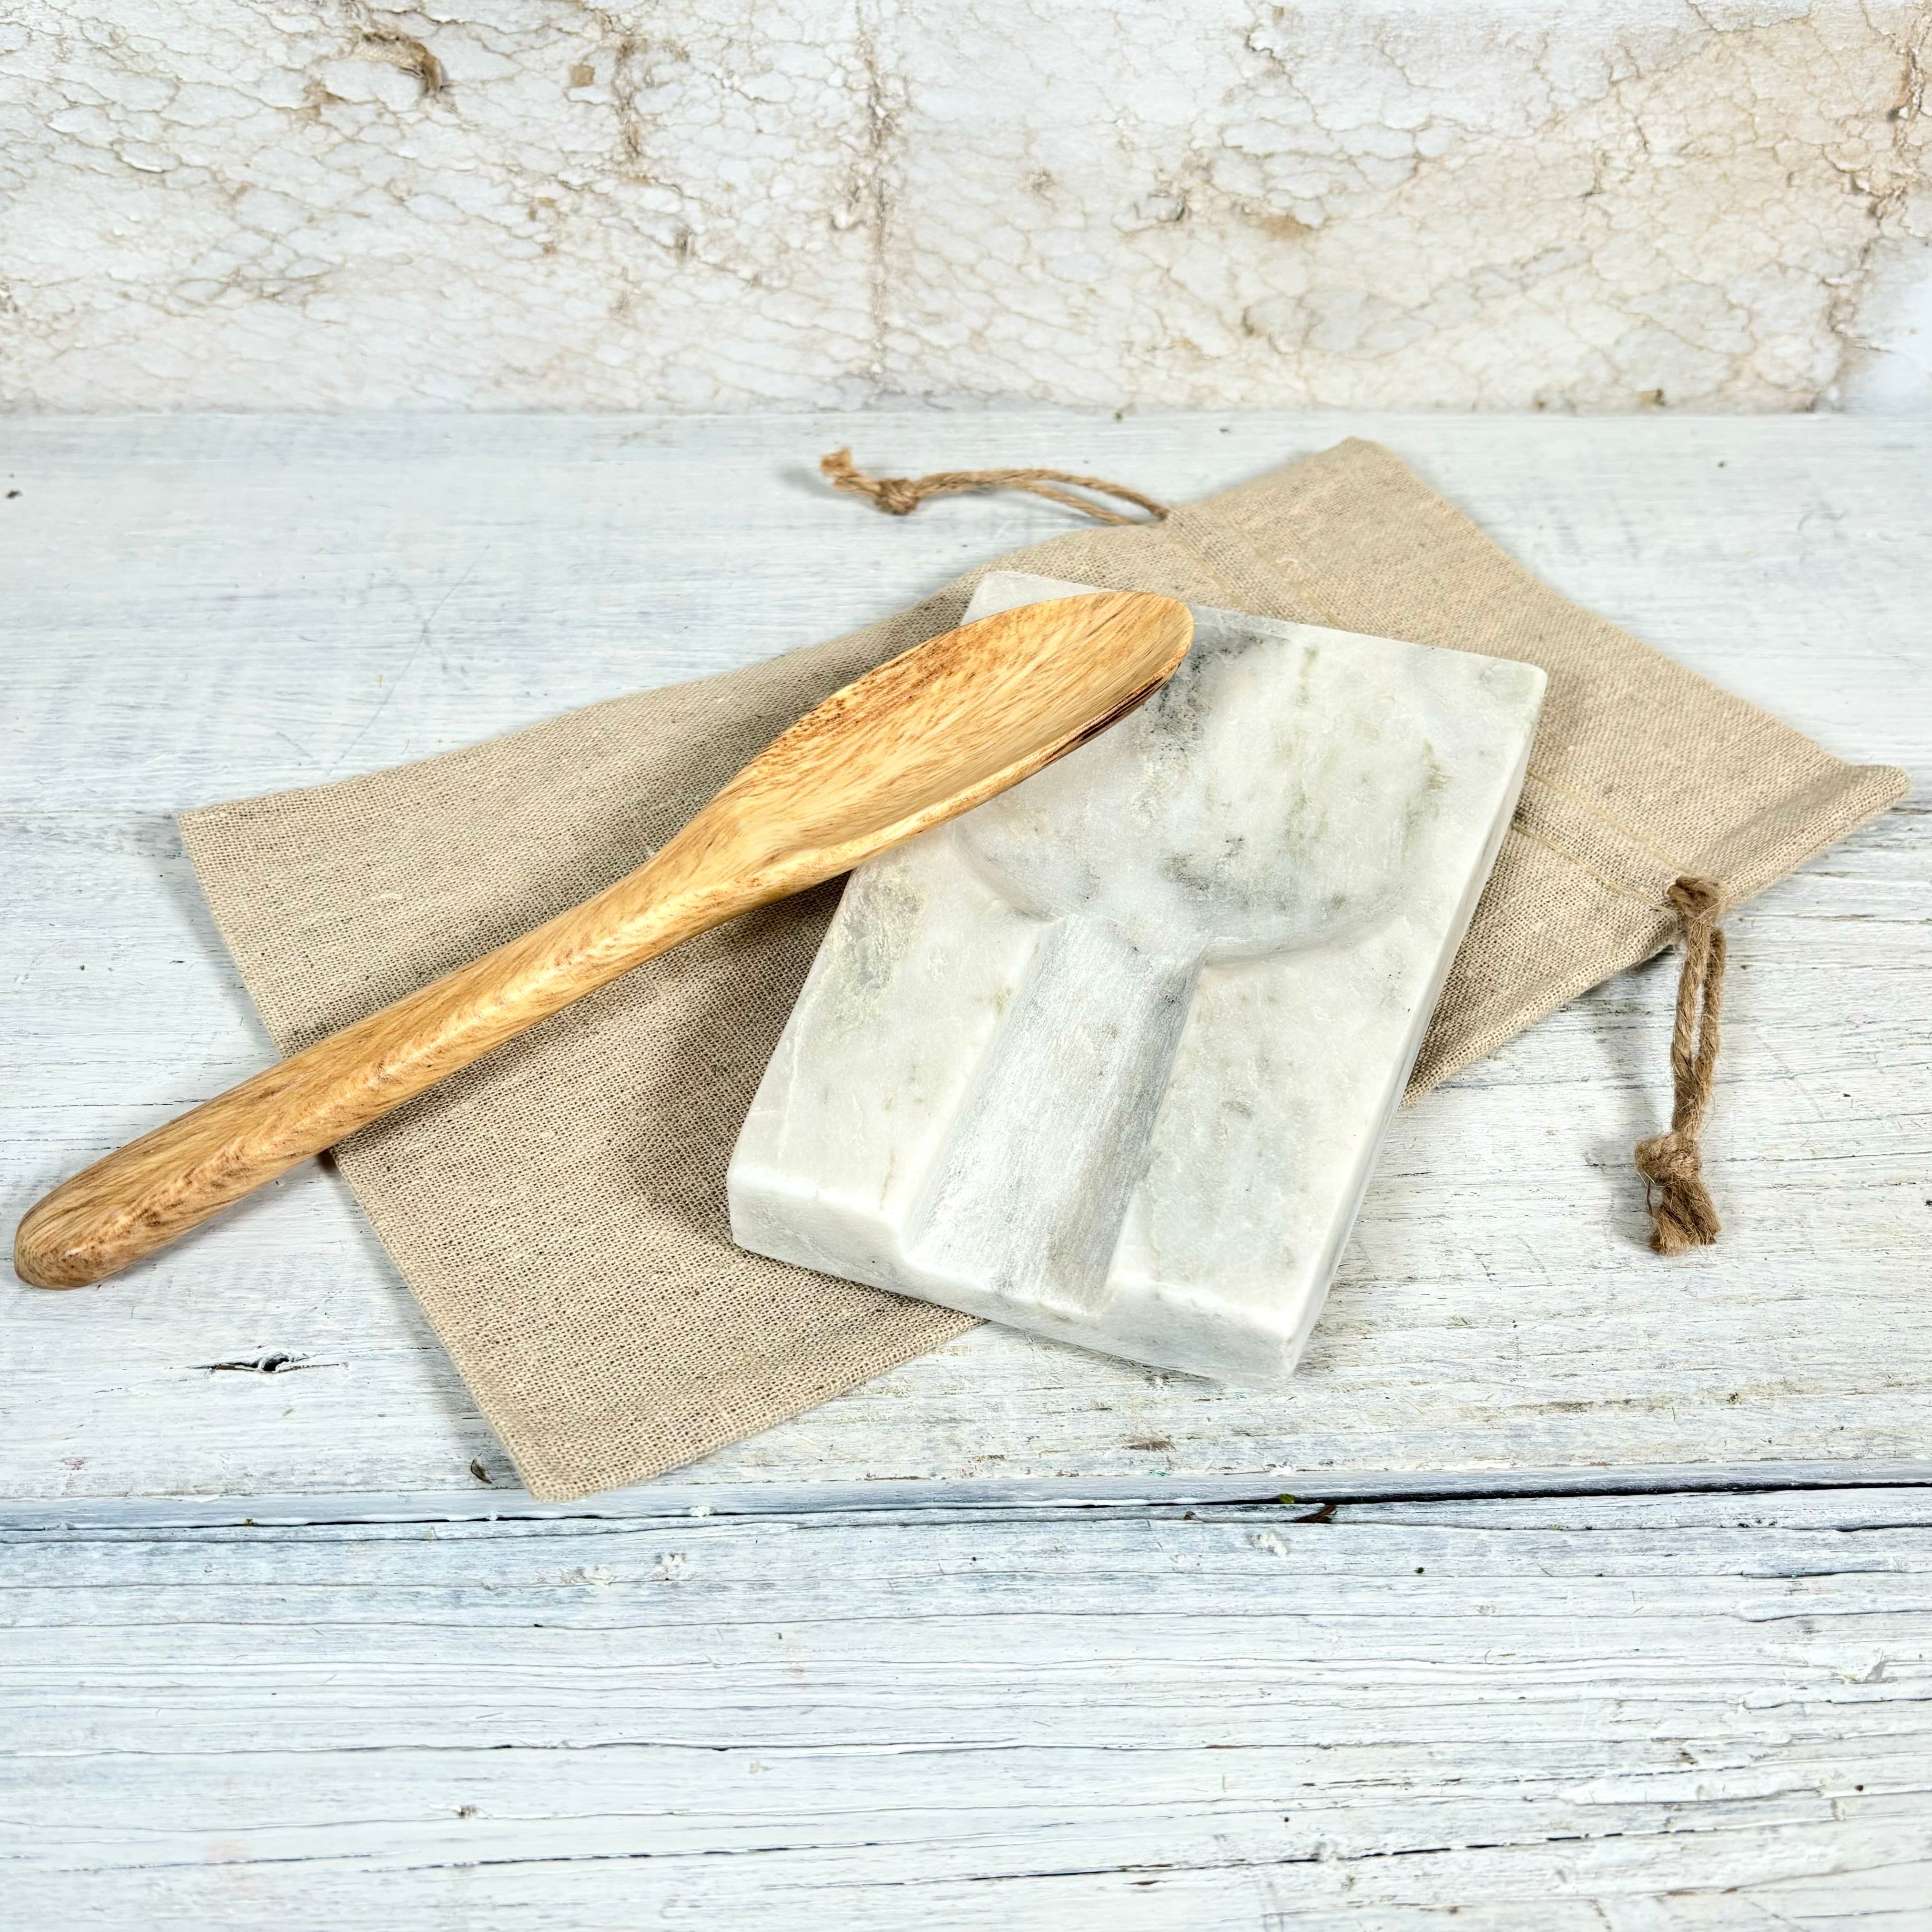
(741, 1697)
(1644, 1714)
(199, 608)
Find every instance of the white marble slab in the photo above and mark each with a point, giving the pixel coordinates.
(1108, 1058)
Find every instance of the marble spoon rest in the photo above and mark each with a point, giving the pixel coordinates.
(1109, 1057)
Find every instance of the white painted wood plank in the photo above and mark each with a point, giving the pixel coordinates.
(200, 608)
(1655, 1712)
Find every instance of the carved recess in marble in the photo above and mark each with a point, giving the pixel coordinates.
(323, 203)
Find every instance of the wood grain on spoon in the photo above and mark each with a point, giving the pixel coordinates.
(927, 736)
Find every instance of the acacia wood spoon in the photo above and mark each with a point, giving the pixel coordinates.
(927, 736)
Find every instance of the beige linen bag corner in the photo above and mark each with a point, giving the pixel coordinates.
(559, 1209)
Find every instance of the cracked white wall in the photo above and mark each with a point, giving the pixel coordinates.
(715, 203)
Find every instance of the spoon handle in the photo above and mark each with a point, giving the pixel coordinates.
(142, 1196)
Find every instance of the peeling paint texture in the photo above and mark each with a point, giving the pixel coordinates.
(707, 204)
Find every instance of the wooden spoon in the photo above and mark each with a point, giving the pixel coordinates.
(927, 736)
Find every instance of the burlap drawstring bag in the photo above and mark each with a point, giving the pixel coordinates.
(559, 1209)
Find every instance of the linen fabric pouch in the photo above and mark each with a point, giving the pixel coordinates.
(559, 1208)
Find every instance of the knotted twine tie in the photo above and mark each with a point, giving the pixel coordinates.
(900, 495)
(1680, 1211)
(1680, 1206)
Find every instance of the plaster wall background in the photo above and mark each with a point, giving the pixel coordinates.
(705, 204)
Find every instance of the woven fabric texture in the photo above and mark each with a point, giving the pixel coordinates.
(559, 1208)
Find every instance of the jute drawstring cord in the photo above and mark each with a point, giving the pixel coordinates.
(1681, 1211)
(900, 495)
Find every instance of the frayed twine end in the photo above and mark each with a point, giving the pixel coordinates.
(1680, 1211)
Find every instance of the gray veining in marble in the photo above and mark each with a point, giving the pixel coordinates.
(1108, 1058)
